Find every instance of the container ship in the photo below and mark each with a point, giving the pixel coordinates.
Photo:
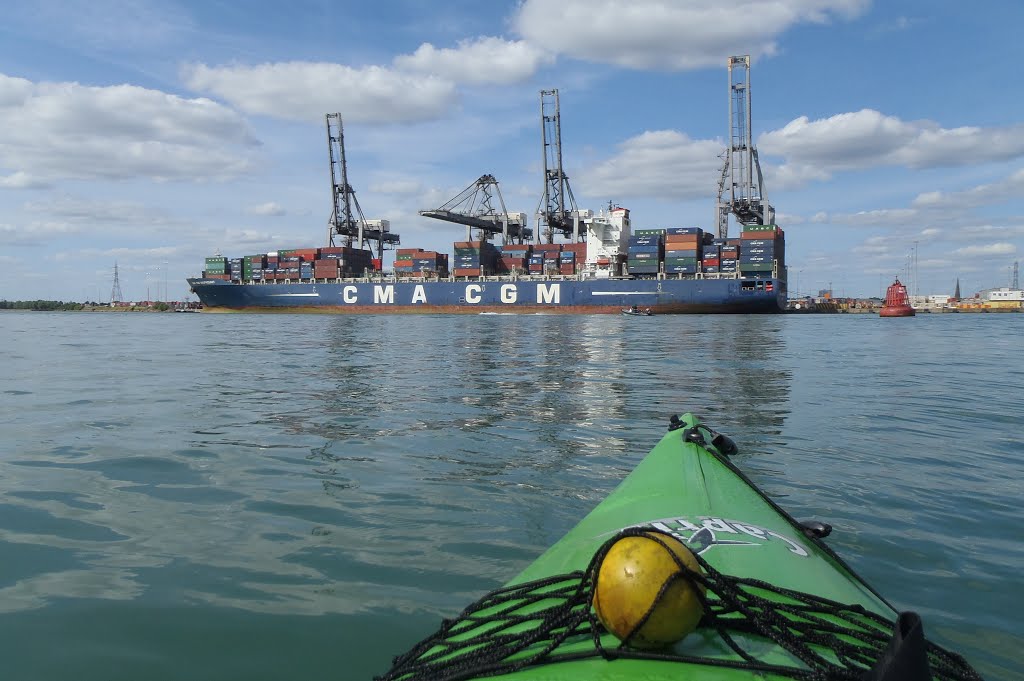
(676, 270)
(602, 265)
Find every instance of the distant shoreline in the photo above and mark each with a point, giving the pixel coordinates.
(68, 307)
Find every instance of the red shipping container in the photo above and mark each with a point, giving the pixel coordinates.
(711, 262)
(567, 269)
(467, 272)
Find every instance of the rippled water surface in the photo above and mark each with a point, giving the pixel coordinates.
(271, 497)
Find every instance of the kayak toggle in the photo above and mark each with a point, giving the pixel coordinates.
(815, 529)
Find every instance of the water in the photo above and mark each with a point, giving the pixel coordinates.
(289, 496)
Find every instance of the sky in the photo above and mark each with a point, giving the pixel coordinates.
(152, 134)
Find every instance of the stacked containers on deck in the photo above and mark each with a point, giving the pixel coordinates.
(253, 266)
(730, 255)
(416, 262)
(216, 268)
(571, 257)
(332, 262)
(328, 263)
(683, 249)
(711, 258)
(288, 262)
(474, 258)
(645, 251)
(535, 263)
(292, 265)
(563, 258)
(567, 262)
(514, 258)
(762, 249)
(547, 257)
(235, 269)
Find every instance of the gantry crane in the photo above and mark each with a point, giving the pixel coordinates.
(344, 222)
(741, 186)
(474, 207)
(557, 211)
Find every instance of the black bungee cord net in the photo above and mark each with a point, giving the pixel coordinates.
(524, 625)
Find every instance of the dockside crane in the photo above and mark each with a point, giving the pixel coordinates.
(557, 211)
(741, 185)
(474, 207)
(347, 218)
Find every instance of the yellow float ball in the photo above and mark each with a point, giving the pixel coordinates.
(630, 579)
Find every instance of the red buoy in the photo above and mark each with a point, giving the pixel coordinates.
(897, 302)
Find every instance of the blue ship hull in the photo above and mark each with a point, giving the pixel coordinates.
(589, 296)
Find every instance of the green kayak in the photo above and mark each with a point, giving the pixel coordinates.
(775, 601)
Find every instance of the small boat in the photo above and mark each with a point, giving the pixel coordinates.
(775, 601)
(637, 311)
(897, 302)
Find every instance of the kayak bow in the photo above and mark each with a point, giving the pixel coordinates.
(779, 603)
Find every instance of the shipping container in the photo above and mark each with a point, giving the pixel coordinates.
(684, 230)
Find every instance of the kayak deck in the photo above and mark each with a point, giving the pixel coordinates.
(779, 603)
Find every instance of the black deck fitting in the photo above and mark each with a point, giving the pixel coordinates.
(816, 529)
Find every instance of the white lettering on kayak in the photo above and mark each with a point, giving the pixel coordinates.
(718, 525)
(384, 294)
(549, 293)
(419, 295)
(473, 293)
(508, 293)
(703, 532)
(348, 294)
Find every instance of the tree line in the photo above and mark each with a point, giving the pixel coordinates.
(48, 305)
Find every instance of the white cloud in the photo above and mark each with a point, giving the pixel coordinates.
(664, 164)
(305, 91)
(270, 209)
(882, 216)
(407, 187)
(1008, 189)
(877, 247)
(987, 249)
(481, 61)
(37, 233)
(867, 138)
(22, 180)
(88, 211)
(667, 34)
(52, 131)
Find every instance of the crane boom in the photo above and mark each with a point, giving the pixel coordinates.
(474, 207)
(347, 218)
